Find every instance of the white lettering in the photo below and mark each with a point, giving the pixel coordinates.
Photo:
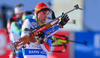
(34, 51)
(97, 40)
(42, 52)
(97, 45)
(54, 22)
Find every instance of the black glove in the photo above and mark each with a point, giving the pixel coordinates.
(64, 19)
(41, 37)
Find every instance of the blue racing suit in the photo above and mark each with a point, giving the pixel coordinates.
(35, 50)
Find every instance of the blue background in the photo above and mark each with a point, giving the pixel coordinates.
(89, 51)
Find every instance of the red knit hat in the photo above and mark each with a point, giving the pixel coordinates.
(40, 6)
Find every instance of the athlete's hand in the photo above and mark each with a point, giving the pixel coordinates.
(41, 37)
(64, 19)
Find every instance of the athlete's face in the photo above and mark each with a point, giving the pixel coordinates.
(42, 16)
(19, 15)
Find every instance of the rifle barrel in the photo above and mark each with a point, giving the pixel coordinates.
(75, 8)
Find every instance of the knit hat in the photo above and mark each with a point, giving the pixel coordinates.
(40, 6)
(19, 9)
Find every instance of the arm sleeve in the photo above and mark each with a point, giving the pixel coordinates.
(46, 46)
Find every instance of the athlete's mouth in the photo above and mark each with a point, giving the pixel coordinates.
(43, 19)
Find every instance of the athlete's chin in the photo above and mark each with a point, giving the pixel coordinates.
(43, 22)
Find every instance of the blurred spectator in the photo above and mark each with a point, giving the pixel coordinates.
(14, 28)
(18, 10)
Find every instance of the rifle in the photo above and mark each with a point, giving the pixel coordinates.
(34, 32)
(31, 37)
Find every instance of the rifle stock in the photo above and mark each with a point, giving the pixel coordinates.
(31, 37)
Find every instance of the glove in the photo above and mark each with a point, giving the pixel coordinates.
(41, 37)
(64, 19)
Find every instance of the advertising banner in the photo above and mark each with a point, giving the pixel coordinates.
(92, 49)
(4, 44)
